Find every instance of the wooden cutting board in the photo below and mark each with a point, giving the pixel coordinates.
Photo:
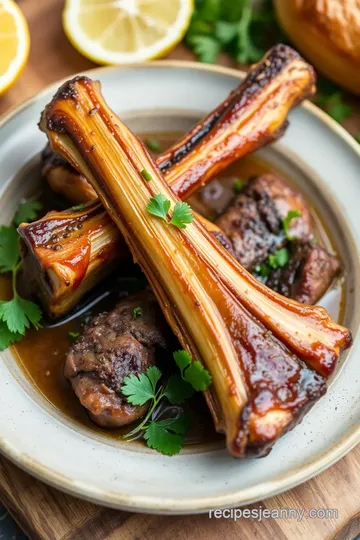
(45, 513)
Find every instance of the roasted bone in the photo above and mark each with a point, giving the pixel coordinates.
(253, 115)
(250, 338)
(250, 117)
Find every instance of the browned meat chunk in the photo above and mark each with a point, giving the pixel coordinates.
(308, 274)
(112, 346)
(253, 221)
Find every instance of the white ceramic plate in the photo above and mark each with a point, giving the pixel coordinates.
(325, 161)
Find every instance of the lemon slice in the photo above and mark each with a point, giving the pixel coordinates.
(14, 43)
(125, 31)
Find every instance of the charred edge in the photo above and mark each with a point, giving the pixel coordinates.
(258, 78)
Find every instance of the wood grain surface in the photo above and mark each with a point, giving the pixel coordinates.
(45, 513)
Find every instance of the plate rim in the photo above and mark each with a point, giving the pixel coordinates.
(168, 505)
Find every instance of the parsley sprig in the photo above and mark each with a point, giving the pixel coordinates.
(166, 436)
(159, 206)
(17, 314)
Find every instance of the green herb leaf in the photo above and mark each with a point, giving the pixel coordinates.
(159, 206)
(247, 51)
(226, 31)
(7, 338)
(337, 109)
(146, 175)
(238, 186)
(279, 259)
(138, 389)
(167, 436)
(192, 371)
(18, 314)
(292, 214)
(153, 145)
(182, 215)
(177, 390)
(154, 375)
(27, 212)
(206, 48)
(73, 336)
(137, 312)
(9, 249)
(78, 207)
(262, 270)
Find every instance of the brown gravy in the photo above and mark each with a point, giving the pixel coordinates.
(41, 354)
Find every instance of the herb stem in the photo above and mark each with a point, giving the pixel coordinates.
(14, 278)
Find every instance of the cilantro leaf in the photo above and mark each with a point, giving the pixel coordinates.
(238, 186)
(262, 270)
(177, 390)
(153, 373)
(206, 48)
(287, 220)
(6, 337)
(27, 212)
(145, 174)
(192, 371)
(9, 249)
(182, 215)
(19, 313)
(153, 145)
(337, 109)
(247, 51)
(73, 336)
(159, 206)
(137, 312)
(167, 436)
(279, 259)
(225, 31)
(138, 388)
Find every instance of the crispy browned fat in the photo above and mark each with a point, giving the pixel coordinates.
(257, 345)
(253, 115)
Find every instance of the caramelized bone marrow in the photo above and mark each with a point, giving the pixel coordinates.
(258, 346)
(253, 115)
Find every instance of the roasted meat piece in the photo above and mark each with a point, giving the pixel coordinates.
(254, 220)
(112, 346)
(308, 274)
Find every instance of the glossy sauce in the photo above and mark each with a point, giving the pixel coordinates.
(42, 353)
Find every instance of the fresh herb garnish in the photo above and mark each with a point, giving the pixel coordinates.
(137, 312)
(17, 314)
(233, 27)
(279, 259)
(238, 186)
(145, 174)
(182, 215)
(292, 214)
(166, 436)
(153, 145)
(78, 207)
(73, 336)
(192, 371)
(159, 206)
(262, 270)
(27, 211)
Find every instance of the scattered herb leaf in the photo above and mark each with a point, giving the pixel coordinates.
(238, 186)
(73, 336)
(167, 436)
(262, 270)
(279, 259)
(145, 174)
(78, 207)
(9, 249)
(137, 312)
(177, 390)
(138, 388)
(27, 212)
(159, 206)
(153, 145)
(292, 214)
(182, 215)
(192, 371)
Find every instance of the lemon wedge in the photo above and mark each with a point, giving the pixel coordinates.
(14, 43)
(125, 31)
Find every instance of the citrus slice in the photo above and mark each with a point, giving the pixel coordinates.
(125, 31)
(14, 43)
